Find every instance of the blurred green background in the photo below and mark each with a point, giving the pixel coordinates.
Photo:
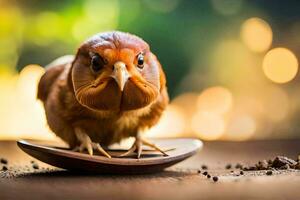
(212, 51)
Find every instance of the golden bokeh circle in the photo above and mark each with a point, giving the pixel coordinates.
(256, 34)
(280, 65)
(217, 100)
(208, 126)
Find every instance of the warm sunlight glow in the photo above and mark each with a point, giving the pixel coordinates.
(171, 124)
(208, 126)
(187, 101)
(22, 115)
(217, 100)
(188, 104)
(280, 65)
(28, 80)
(240, 127)
(256, 34)
(232, 63)
(276, 104)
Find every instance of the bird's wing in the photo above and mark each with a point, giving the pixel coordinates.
(53, 70)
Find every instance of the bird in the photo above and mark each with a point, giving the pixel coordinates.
(112, 89)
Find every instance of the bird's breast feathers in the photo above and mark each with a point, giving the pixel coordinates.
(131, 118)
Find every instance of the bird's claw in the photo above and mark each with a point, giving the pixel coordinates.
(90, 147)
(137, 147)
(87, 144)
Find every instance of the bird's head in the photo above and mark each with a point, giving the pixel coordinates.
(115, 71)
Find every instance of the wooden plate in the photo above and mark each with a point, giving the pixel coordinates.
(151, 161)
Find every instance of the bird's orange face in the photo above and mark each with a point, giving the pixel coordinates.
(115, 71)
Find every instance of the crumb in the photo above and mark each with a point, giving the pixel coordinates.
(204, 167)
(280, 161)
(269, 173)
(228, 166)
(262, 165)
(3, 161)
(238, 166)
(35, 166)
(215, 178)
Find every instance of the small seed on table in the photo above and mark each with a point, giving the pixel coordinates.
(35, 166)
(215, 178)
(228, 166)
(204, 167)
(269, 173)
(238, 166)
(3, 161)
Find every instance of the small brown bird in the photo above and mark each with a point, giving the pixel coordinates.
(112, 89)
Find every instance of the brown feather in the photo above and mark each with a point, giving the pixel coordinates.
(47, 80)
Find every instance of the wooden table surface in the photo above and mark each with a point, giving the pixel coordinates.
(182, 181)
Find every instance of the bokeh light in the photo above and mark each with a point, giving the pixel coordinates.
(276, 104)
(22, 115)
(188, 104)
(233, 64)
(240, 127)
(172, 123)
(257, 34)
(280, 65)
(217, 100)
(186, 101)
(28, 80)
(208, 126)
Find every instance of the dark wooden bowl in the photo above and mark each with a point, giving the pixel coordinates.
(151, 161)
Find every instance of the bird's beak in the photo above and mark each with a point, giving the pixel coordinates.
(120, 74)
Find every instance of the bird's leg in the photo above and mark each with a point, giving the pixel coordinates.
(86, 143)
(137, 147)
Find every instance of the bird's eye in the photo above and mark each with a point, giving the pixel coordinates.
(140, 61)
(97, 63)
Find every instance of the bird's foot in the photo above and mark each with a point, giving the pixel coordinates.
(137, 147)
(90, 147)
(87, 144)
